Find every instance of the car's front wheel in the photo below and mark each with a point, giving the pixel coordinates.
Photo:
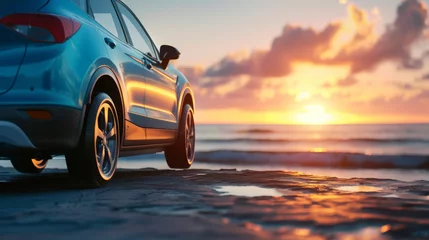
(182, 154)
(28, 164)
(94, 161)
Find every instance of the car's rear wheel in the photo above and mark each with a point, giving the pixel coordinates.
(93, 163)
(28, 164)
(182, 154)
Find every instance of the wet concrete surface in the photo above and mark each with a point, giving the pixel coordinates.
(210, 204)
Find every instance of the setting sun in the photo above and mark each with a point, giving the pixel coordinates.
(314, 114)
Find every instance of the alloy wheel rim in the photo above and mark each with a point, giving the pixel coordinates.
(190, 138)
(106, 141)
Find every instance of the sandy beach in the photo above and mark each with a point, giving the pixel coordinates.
(212, 204)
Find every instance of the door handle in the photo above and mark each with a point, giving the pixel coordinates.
(110, 42)
(147, 63)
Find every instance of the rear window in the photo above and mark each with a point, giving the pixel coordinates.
(81, 4)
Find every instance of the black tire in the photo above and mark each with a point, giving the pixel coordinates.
(93, 163)
(28, 164)
(181, 155)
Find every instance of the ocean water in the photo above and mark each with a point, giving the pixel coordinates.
(401, 146)
(369, 151)
(404, 139)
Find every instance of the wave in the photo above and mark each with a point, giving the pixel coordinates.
(256, 131)
(311, 159)
(322, 140)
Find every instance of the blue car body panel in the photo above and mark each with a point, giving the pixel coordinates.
(52, 76)
(12, 52)
(12, 44)
(43, 73)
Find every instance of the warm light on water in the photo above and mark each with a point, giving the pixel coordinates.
(359, 188)
(318, 150)
(248, 191)
(370, 233)
(302, 232)
(375, 139)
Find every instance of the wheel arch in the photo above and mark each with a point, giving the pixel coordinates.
(187, 97)
(105, 80)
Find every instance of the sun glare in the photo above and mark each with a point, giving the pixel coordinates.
(302, 96)
(314, 114)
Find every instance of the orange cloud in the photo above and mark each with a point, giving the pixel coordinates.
(395, 43)
(297, 44)
(347, 82)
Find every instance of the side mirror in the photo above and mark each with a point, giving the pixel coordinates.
(168, 53)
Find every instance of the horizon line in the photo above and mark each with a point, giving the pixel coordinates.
(328, 124)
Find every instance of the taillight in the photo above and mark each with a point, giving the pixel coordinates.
(42, 27)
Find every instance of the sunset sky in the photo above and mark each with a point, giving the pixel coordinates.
(299, 61)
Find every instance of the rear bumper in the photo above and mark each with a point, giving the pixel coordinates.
(13, 135)
(56, 135)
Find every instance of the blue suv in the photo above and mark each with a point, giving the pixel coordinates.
(82, 78)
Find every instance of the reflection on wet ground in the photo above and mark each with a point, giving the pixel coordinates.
(208, 204)
(366, 233)
(359, 188)
(247, 191)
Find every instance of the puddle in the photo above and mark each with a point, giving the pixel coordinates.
(302, 232)
(366, 233)
(167, 210)
(196, 175)
(407, 196)
(248, 191)
(392, 196)
(359, 188)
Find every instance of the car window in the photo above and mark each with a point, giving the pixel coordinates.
(81, 4)
(139, 38)
(105, 14)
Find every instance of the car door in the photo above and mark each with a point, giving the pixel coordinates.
(130, 67)
(160, 97)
